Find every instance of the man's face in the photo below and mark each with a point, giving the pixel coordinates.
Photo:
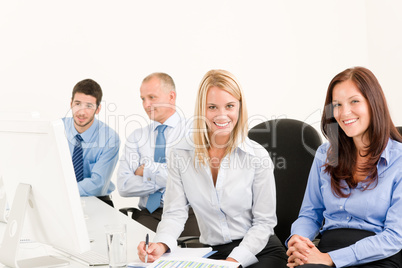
(158, 104)
(84, 109)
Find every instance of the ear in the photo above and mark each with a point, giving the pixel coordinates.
(98, 109)
(172, 97)
(71, 103)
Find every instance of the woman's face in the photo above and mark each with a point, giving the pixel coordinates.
(222, 112)
(351, 110)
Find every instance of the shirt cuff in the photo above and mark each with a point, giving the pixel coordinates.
(81, 189)
(148, 175)
(343, 257)
(243, 256)
(167, 240)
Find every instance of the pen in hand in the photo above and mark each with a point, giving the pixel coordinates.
(146, 247)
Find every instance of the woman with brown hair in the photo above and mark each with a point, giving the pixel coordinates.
(354, 193)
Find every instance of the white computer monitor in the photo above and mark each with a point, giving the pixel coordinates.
(39, 179)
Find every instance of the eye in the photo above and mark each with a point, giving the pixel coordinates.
(355, 101)
(211, 107)
(335, 105)
(230, 106)
(90, 106)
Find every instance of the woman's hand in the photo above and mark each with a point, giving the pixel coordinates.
(302, 250)
(155, 250)
(299, 248)
(314, 257)
(232, 260)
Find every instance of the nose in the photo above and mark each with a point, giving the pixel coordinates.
(146, 103)
(79, 110)
(222, 114)
(345, 110)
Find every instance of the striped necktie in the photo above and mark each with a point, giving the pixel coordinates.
(78, 161)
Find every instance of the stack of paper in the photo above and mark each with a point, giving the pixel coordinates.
(191, 263)
(186, 257)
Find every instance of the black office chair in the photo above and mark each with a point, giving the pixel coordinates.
(182, 241)
(399, 129)
(292, 145)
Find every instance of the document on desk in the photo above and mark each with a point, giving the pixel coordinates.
(191, 263)
(190, 252)
(179, 253)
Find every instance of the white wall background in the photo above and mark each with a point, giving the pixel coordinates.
(283, 52)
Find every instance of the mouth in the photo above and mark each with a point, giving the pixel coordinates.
(350, 121)
(81, 119)
(222, 124)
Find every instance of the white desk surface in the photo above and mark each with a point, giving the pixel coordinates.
(98, 214)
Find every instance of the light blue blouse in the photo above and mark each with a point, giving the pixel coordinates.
(377, 209)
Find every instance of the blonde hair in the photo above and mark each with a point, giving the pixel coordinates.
(225, 81)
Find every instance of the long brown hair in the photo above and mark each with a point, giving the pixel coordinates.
(342, 154)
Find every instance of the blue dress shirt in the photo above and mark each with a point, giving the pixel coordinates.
(377, 209)
(100, 152)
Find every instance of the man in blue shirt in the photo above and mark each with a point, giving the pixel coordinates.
(94, 146)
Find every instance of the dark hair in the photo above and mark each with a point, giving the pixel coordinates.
(341, 156)
(89, 87)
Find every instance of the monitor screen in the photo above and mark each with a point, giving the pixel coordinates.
(35, 153)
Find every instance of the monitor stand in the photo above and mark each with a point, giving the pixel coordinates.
(3, 202)
(12, 235)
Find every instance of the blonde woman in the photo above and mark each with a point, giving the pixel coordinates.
(226, 178)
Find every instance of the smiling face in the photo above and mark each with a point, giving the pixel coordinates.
(351, 110)
(158, 104)
(84, 109)
(222, 112)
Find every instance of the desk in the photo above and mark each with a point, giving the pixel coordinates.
(97, 214)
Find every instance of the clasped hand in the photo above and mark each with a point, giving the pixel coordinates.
(301, 250)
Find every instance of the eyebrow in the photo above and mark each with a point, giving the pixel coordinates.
(78, 101)
(232, 102)
(351, 97)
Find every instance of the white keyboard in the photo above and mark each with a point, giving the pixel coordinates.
(90, 258)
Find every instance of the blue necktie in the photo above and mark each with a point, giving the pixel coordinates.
(78, 161)
(160, 145)
(154, 200)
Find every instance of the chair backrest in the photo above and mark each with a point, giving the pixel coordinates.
(399, 129)
(292, 145)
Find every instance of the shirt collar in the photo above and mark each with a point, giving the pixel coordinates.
(248, 146)
(87, 134)
(385, 155)
(172, 121)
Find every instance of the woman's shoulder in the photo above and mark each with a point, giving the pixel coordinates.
(253, 148)
(395, 145)
(321, 153)
(185, 144)
(394, 151)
